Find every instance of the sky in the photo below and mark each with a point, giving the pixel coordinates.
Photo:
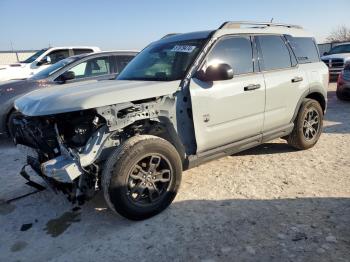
(132, 24)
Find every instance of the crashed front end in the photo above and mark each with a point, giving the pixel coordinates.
(63, 147)
(69, 149)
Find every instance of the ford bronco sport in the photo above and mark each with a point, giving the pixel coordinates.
(184, 100)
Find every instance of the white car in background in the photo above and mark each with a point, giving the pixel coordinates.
(41, 60)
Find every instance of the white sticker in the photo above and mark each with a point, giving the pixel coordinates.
(183, 48)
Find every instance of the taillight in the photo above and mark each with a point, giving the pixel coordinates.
(340, 79)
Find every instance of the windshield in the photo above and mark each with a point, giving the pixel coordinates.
(163, 61)
(33, 57)
(340, 49)
(52, 69)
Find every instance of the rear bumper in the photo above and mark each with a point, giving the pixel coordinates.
(335, 71)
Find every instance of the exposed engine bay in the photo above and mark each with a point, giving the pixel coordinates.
(70, 148)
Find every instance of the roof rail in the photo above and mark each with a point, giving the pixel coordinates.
(238, 24)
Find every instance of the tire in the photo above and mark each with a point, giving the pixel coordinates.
(130, 187)
(304, 137)
(9, 124)
(341, 96)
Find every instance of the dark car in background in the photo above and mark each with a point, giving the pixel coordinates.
(343, 83)
(84, 67)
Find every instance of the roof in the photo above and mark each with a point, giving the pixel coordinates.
(241, 27)
(116, 52)
(185, 36)
(244, 27)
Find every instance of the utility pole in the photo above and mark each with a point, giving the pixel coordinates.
(13, 51)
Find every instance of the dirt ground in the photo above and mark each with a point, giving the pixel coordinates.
(270, 203)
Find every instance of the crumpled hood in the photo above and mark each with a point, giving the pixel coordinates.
(87, 95)
(345, 56)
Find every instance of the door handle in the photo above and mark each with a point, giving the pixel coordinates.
(297, 79)
(251, 87)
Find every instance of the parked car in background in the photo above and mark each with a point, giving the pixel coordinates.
(336, 58)
(343, 83)
(41, 60)
(184, 100)
(84, 67)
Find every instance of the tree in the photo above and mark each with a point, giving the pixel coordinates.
(340, 34)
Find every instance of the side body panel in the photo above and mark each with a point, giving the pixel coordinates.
(224, 112)
(282, 95)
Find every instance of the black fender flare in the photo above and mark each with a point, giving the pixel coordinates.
(305, 95)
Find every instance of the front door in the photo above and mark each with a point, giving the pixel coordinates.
(230, 110)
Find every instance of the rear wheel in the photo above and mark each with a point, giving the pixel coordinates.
(142, 176)
(307, 126)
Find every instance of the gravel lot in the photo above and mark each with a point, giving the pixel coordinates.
(271, 203)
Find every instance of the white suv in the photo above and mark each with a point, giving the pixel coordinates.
(184, 100)
(41, 60)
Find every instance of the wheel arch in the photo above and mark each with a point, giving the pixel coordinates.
(312, 94)
(163, 128)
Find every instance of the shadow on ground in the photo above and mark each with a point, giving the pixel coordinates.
(5, 141)
(267, 149)
(304, 229)
(338, 113)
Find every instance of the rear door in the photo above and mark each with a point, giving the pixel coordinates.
(227, 111)
(285, 80)
(79, 51)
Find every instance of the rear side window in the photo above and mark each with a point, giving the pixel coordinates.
(234, 51)
(304, 49)
(274, 52)
(58, 55)
(81, 51)
(122, 61)
(93, 67)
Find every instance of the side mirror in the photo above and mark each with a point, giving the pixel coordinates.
(216, 73)
(68, 75)
(45, 61)
(325, 53)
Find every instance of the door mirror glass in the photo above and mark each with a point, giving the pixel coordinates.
(216, 73)
(68, 75)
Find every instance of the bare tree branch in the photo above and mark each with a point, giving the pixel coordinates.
(341, 34)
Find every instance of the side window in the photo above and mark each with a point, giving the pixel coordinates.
(234, 51)
(79, 70)
(93, 67)
(274, 52)
(304, 48)
(98, 66)
(58, 55)
(77, 51)
(122, 61)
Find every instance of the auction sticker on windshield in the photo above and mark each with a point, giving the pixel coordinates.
(183, 48)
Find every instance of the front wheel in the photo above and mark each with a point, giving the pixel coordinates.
(10, 127)
(141, 177)
(307, 126)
